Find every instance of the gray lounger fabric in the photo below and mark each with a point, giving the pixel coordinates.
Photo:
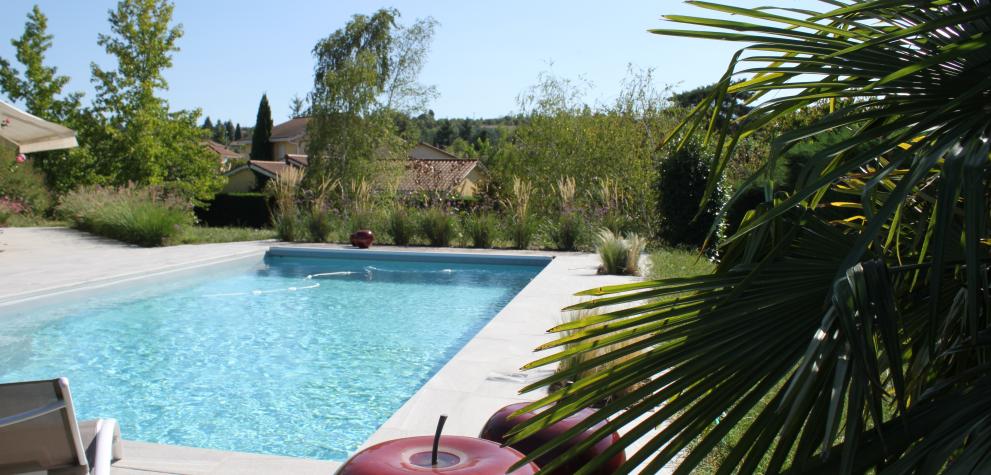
(38, 431)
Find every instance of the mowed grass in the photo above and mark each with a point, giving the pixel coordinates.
(204, 235)
(672, 263)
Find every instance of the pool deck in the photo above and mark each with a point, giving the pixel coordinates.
(481, 378)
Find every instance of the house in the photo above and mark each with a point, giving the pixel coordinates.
(254, 175)
(428, 169)
(289, 137)
(433, 170)
(225, 156)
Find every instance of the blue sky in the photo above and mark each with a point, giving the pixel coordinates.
(484, 53)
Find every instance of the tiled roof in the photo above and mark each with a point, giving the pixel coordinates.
(300, 160)
(220, 149)
(272, 169)
(289, 130)
(435, 174)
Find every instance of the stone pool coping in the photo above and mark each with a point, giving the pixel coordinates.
(482, 377)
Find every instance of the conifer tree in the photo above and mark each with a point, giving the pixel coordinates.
(261, 148)
(237, 132)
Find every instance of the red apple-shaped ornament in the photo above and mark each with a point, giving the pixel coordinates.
(499, 424)
(456, 455)
(362, 238)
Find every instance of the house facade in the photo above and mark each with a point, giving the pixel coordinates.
(289, 138)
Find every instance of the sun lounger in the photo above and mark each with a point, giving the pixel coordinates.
(39, 432)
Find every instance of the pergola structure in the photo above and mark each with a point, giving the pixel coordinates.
(33, 134)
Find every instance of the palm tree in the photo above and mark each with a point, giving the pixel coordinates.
(846, 327)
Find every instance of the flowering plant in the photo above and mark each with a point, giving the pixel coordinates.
(5, 122)
(14, 206)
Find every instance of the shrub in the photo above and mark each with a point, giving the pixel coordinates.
(401, 226)
(142, 216)
(615, 221)
(619, 256)
(21, 183)
(481, 229)
(438, 226)
(9, 208)
(679, 189)
(362, 220)
(567, 232)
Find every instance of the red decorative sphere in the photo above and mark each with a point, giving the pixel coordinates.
(499, 424)
(456, 455)
(362, 238)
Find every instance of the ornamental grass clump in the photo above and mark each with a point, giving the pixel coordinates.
(438, 226)
(481, 228)
(567, 230)
(401, 226)
(289, 224)
(145, 216)
(620, 256)
(522, 226)
(572, 364)
(291, 227)
(318, 219)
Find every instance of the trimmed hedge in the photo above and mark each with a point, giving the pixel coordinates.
(249, 210)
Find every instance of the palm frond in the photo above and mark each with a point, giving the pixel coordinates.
(856, 335)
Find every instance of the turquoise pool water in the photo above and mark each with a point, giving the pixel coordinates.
(294, 356)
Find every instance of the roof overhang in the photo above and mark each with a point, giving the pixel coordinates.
(33, 134)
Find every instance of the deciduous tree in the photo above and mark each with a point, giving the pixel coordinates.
(365, 72)
(138, 139)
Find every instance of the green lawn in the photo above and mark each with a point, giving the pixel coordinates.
(671, 263)
(203, 235)
(31, 221)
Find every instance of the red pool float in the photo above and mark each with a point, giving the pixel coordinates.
(498, 425)
(362, 238)
(456, 455)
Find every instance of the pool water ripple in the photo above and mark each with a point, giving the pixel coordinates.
(310, 372)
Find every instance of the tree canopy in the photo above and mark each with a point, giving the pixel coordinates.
(365, 71)
(134, 137)
(40, 87)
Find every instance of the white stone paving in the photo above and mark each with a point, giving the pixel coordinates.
(484, 376)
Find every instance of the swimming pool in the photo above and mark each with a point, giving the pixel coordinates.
(298, 356)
